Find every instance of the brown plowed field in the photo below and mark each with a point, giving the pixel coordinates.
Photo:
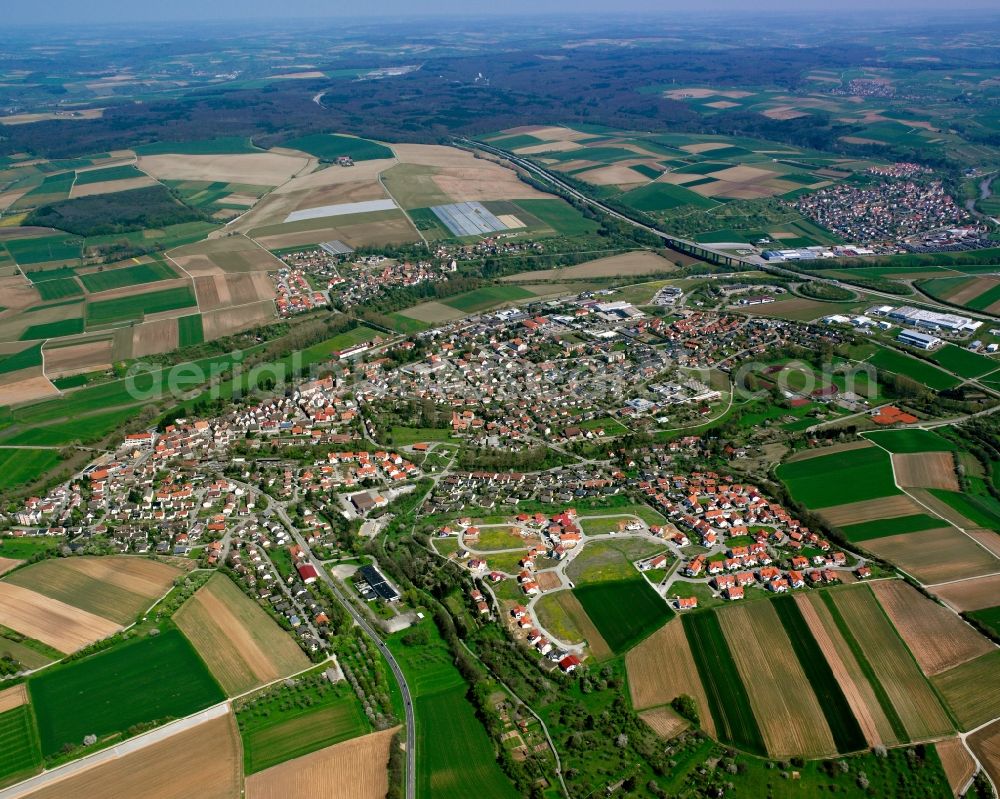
(204, 762)
(11, 698)
(258, 169)
(938, 638)
(662, 668)
(976, 594)
(787, 710)
(239, 642)
(926, 470)
(6, 564)
(149, 578)
(935, 556)
(986, 746)
(987, 538)
(910, 693)
(87, 356)
(870, 510)
(155, 336)
(972, 690)
(664, 722)
(631, 263)
(957, 763)
(24, 385)
(858, 691)
(548, 580)
(354, 769)
(52, 622)
(226, 321)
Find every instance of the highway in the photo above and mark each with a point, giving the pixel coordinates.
(404, 689)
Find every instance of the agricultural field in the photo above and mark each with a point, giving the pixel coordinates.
(137, 306)
(20, 756)
(727, 696)
(869, 469)
(330, 147)
(208, 751)
(354, 769)
(115, 588)
(909, 695)
(640, 262)
(913, 368)
(624, 611)
(486, 297)
(972, 689)
(20, 466)
(606, 560)
(978, 597)
(962, 362)
(909, 441)
(562, 615)
(985, 744)
(882, 528)
(936, 556)
(127, 276)
(61, 626)
(98, 694)
(284, 734)
(241, 644)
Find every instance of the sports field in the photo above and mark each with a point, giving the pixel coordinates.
(840, 478)
(145, 680)
(624, 611)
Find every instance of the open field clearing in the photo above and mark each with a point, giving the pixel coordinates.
(926, 470)
(938, 639)
(906, 688)
(25, 386)
(14, 697)
(810, 481)
(972, 690)
(153, 337)
(381, 229)
(127, 276)
(850, 674)
(115, 588)
(136, 306)
(20, 756)
(240, 643)
(97, 695)
(203, 761)
(664, 722)
(936, 556)
(106, 187)
(986, 746)
(454, 752)
(432, 312)
(976, 594)
(260, 169)
(727, 696)
(640, 262)
(353, 769)
(337, 718)
(19, 466)
(870, 510)
(562, 615)
(787, 710)
(921, 371)
(662, 668)
(55, 623)
(624, 611)
(957, 763)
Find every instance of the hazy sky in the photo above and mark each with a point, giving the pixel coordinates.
(76, 11)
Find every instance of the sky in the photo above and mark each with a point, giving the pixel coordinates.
(78, 11)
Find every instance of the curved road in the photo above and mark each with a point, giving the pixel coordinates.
(404, 689)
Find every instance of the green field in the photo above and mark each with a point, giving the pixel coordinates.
(886, 527)
(453, 751)
(402, 436)
(560, 216)
(124, 172)
(847, 733)
(127, 276)
(329, 147)
(219, 146)
(624, 611)
(26, 547)
(514, 141)
(964, 363)
(988, 617)
(46, 248)
(842, 477)
(487, 297)
(123, 309)
(983, 511)
(19, 753)
(727, 697)
(59, 288)
(663, 197)
(911, 440)
(190, 330)
(921, 371)
(64, 327)
(20, 466)
(85, 429)
(279, 736)
(147, 680)
(24, 359)
(986, 299)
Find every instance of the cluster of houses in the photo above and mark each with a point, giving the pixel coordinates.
(293, 293)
